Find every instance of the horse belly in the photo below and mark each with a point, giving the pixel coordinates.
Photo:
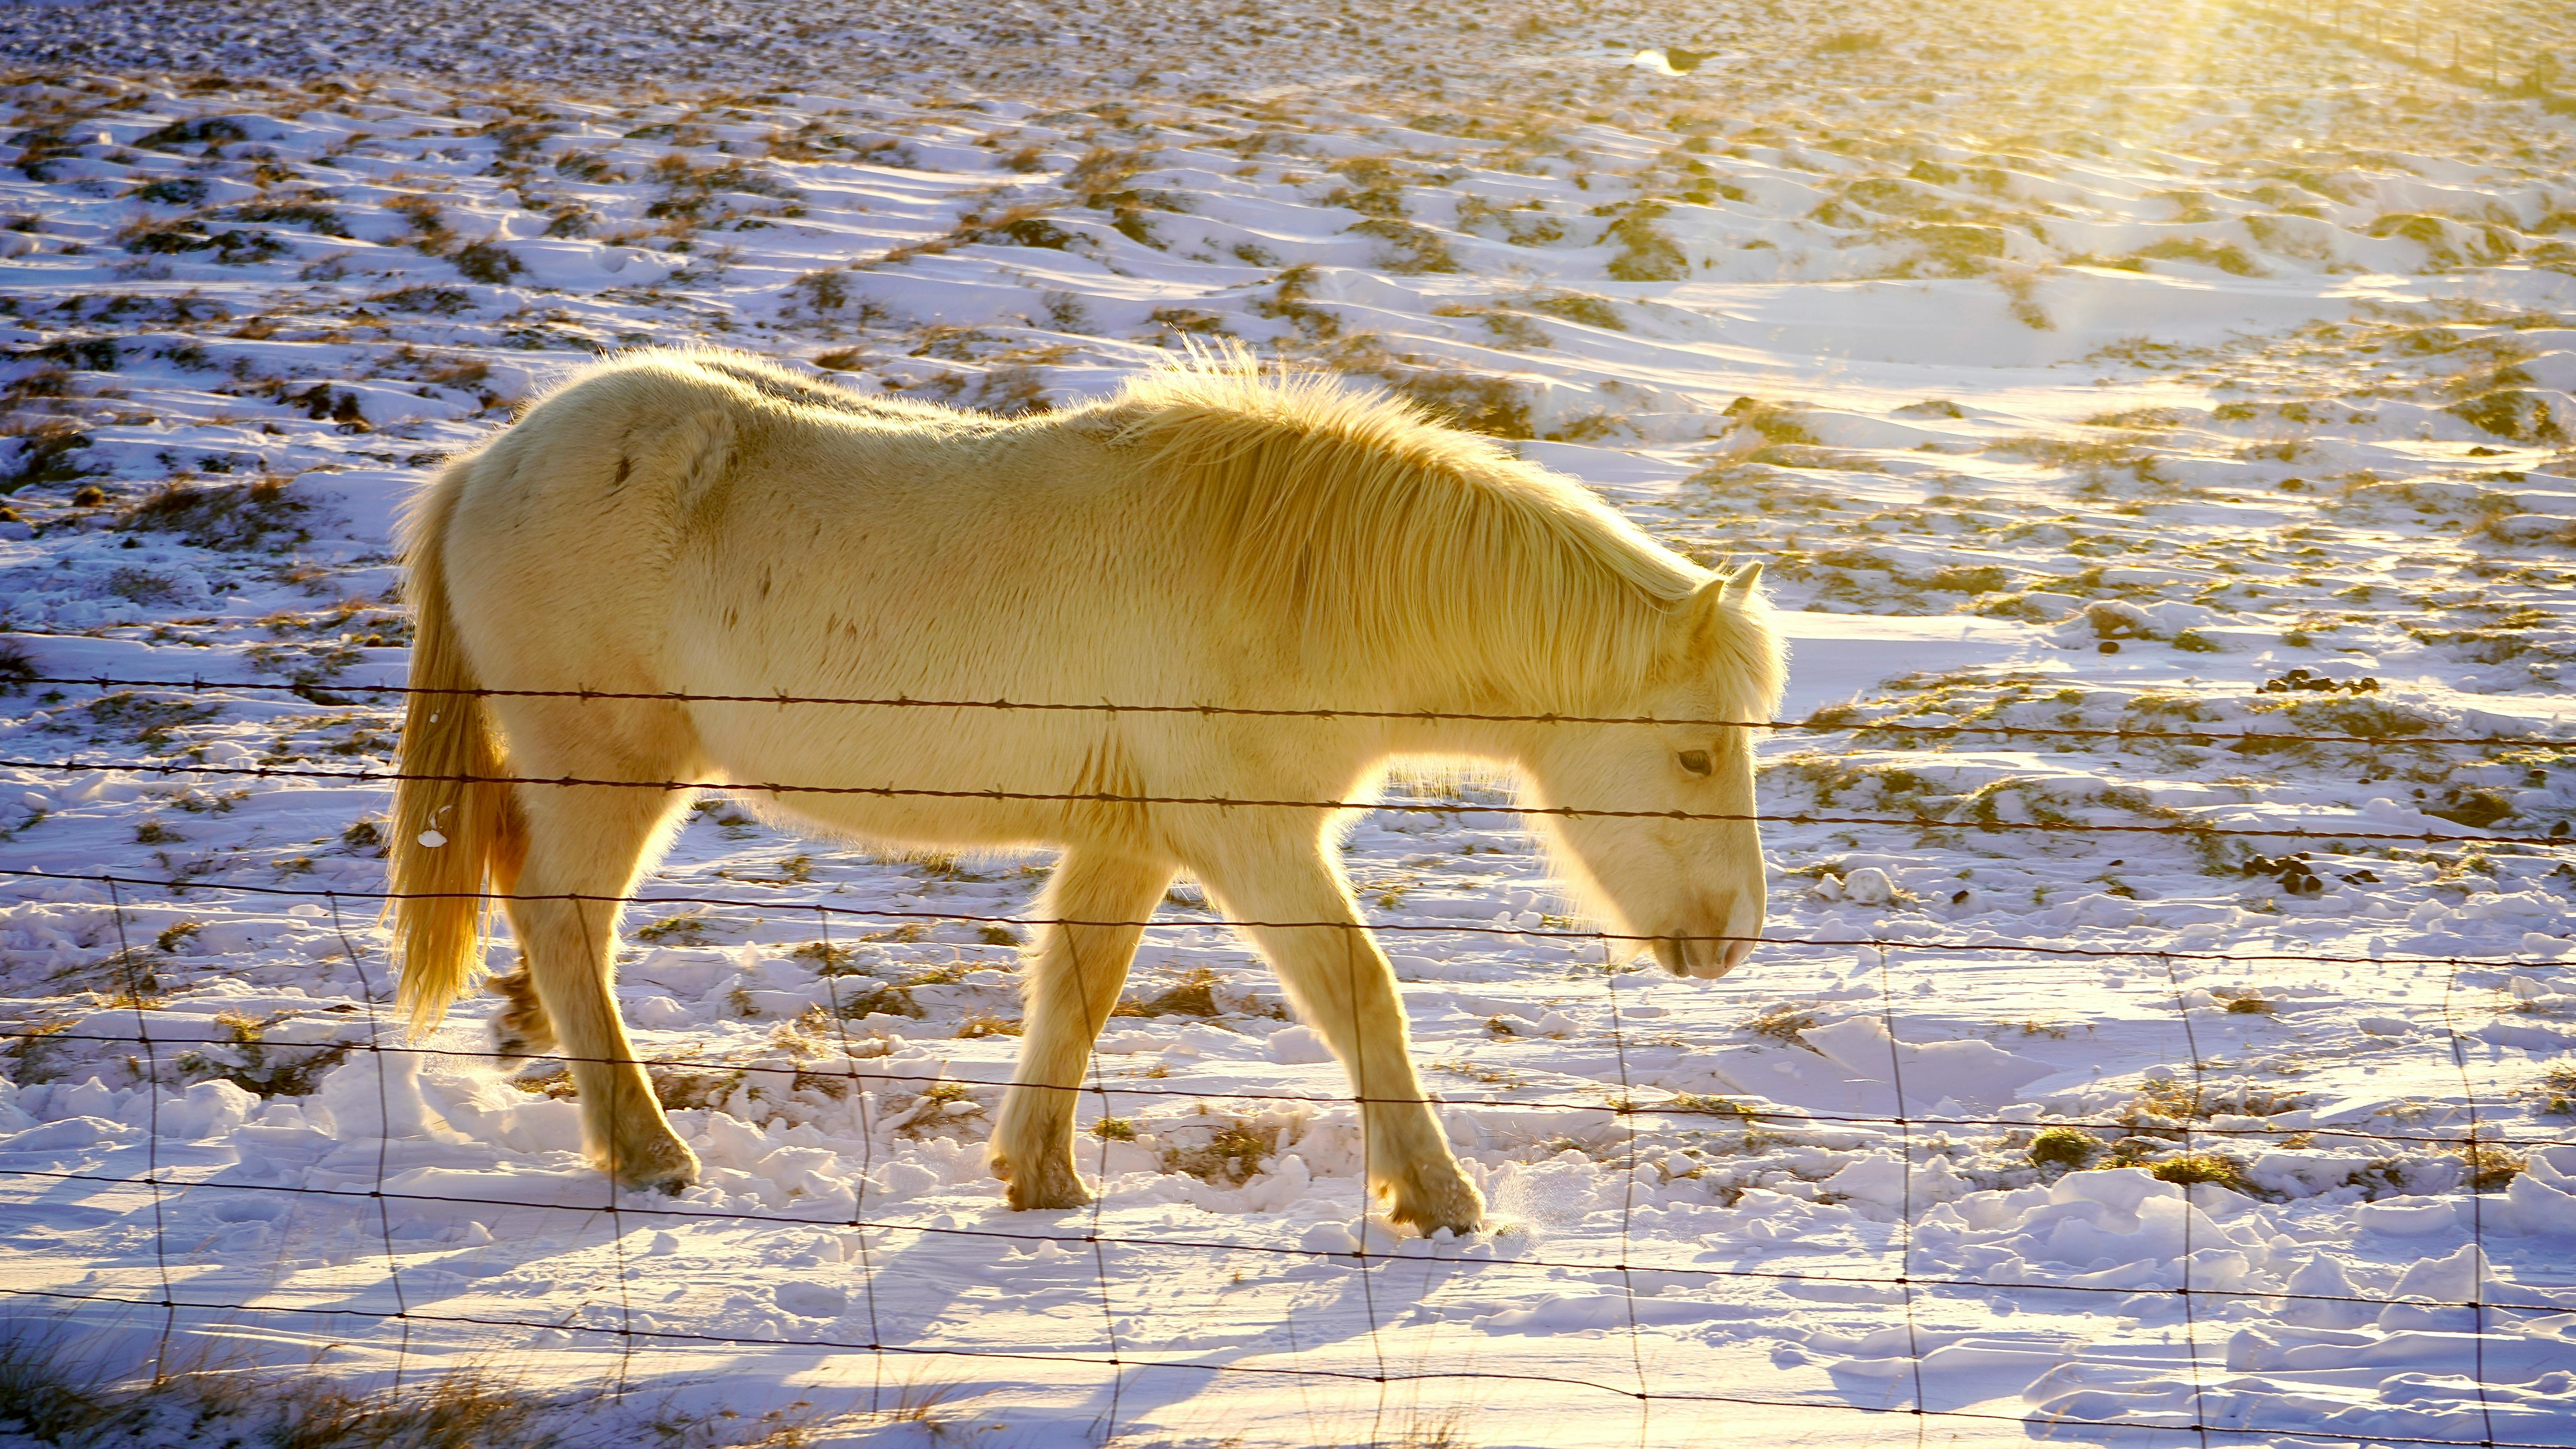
(894, 774)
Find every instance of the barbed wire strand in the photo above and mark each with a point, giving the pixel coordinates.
(1894, 725)
(177, 885)
(1226, 802)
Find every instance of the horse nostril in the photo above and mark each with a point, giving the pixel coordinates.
(1707, 958)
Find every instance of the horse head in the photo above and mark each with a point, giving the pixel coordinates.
(1660, 840)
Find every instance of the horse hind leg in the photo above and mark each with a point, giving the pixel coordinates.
(1073, 973)
(522, 1028)
(586, 846)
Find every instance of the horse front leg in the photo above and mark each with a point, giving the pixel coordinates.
(1073, 976)
(1344, 988)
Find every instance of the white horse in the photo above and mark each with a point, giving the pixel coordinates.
(704, 523)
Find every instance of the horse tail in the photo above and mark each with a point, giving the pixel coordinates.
(454, 822)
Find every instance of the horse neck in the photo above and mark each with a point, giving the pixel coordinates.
(1484, 703)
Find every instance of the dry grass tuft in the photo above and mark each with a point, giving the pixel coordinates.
(248, 1060)
(940, 1106)
(259, 514)
(2244, 1001)
(49, 1397)
(2164, 1101)
(1782, 1024)
(2489, 1167)
(1703, 1104)
(1233, 1153)
(1195, 995)
(2557, 1090)
(31, 1056)
(1426, 1429)
(2065, 1147)
(2190, 1168)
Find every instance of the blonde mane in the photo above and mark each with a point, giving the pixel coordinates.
(1389, 535)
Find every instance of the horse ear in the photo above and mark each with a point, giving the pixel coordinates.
(1729, 590)
(1700, 618)
(1704, 619)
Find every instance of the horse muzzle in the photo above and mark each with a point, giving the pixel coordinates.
(1704, 957)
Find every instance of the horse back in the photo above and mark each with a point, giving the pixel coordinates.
(719, 526)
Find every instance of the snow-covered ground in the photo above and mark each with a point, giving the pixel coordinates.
(2076, 368)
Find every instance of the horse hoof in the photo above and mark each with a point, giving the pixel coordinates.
(1056, 1188)
(513, 1046)
(521, 1029)
(1428, 1207)
(667, 1166)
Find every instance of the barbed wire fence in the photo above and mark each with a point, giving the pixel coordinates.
(861, 1083)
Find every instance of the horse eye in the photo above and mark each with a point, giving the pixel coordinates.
(1695, 761)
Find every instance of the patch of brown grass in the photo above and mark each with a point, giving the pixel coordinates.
(1195, 995)
(2065, 1147)
(2188, 1168)
(2489, 1166)
(1782, 1024)
(1703, 1104)
(49, 1398)
(1233, 1153)
(2557, 1090)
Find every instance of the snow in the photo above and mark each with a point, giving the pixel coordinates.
(2060, 382)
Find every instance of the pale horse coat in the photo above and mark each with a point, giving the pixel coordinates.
(705, 523)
